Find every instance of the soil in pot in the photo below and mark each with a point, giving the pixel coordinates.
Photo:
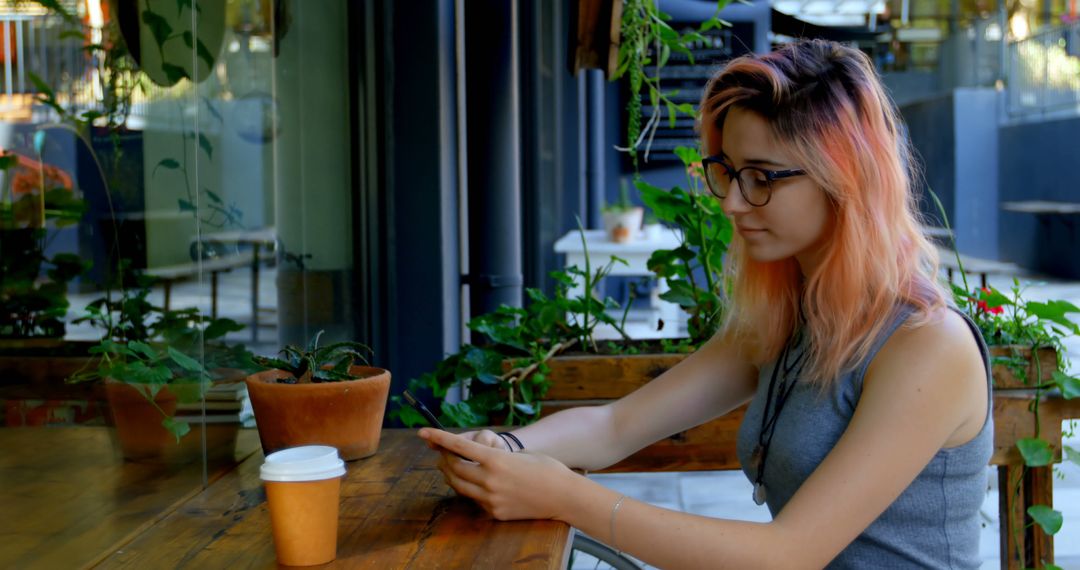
(347, 415)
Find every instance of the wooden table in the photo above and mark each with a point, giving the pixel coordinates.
(396, 512)
(67, 498)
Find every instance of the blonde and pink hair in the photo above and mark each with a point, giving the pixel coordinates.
(825, 103)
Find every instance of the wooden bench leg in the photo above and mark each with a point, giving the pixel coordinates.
(213, 294)
(168, 294)
(255, 292)
(1024, 546)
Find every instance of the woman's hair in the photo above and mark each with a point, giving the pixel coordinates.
(825, 104)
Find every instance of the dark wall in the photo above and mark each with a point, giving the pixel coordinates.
(1037, 161)
(930, 128)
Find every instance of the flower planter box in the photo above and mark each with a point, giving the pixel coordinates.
(583, 380)
(587, 380)
(1006, 378)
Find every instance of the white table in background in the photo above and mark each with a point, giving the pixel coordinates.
(636, 252)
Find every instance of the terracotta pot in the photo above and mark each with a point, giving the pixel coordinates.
(139, 432)
(347, 415)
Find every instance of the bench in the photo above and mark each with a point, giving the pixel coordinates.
(169, 274)
(974, 265)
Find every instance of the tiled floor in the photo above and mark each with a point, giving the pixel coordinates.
(718, 494)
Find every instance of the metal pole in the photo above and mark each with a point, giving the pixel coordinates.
(492, 112)
(7, 58)
(19, 55)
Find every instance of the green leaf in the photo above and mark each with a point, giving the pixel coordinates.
(213, 197)
(1072, 455)
(220, 327)
(681, 293)
(167, 163)
(184, 361)
(525, 408)
(1069, 385)
(159, 27)
(204, 143)
(143, 349)
(173, 72)
(185, 206)
(1046, 517)
(178, 428)
(1036, 451)
(8, 160)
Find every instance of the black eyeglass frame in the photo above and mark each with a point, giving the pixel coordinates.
(770, 177)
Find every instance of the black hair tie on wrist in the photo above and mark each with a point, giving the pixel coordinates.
(509, 446)
(521, 446)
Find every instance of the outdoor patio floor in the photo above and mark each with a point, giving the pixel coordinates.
(716, 494)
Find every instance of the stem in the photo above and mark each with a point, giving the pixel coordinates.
(520, 373)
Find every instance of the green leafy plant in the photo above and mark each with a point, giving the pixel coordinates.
(1013, 321)
(623, 204)
(647, 41)
(314, 363)
(694, 270)
(33, 285)
(506, 375)
(150, 348)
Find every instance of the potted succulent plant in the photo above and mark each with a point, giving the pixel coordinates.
(320, 395)
(622, 220)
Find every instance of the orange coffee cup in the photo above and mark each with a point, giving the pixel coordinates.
(303, 488)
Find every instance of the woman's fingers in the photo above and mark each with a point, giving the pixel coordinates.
(462, 446)
(467, 470)
(490, 439)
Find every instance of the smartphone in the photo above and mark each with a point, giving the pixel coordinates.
(430, 417)
(423, 410)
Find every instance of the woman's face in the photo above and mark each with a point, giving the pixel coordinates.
(797, 219)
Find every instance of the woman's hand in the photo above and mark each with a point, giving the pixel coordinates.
(484, 437)
(509, 486)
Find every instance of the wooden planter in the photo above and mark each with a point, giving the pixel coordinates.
(347, 415)
(141, 437)
(588, 380)
(597, 379)
(1039, 371)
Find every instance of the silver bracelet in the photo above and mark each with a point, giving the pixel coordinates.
(614, 510)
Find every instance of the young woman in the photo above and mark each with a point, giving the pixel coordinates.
(869, 428)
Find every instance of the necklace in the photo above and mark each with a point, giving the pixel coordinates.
(768, 421)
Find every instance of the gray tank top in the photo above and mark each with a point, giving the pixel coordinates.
(934, 523)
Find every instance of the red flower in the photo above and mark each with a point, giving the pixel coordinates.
(984, 306)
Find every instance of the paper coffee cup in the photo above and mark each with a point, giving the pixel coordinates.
(303, 487)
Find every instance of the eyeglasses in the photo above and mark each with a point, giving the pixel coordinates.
(755, 184)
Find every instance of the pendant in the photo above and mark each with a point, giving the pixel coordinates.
(755, 459)
(759, 493)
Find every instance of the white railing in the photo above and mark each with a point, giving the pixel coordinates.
(1044, 72)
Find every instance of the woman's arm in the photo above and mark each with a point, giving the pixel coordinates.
(707, 384)
(925, 390)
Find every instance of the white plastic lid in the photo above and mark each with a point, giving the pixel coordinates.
(306, 463)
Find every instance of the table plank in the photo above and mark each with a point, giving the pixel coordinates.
(396, 512)
(67, 496)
